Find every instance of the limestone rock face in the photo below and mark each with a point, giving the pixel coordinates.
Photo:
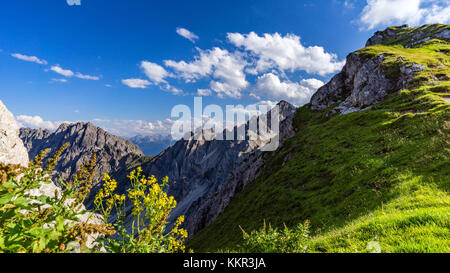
(364, 81)
(12, 150)
(360, 84)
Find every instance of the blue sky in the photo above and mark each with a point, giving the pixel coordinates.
(125, 64)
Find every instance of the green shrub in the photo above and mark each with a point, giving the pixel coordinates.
(274, 240)
(151, 207)
(36, 224)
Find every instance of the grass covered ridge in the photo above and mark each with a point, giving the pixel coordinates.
(376, 175)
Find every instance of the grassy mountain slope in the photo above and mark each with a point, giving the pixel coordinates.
(380, 174)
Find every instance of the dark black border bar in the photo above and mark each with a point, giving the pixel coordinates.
(223, 262)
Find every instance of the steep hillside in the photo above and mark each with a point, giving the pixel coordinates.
(370, 158)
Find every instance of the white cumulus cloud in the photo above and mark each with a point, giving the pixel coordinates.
(412, 12)
(187, 34)
(155, 72)
(285, 53)
(299, 93)
(86, 77)
(26, 58)
(225, 68)
(61, 71)
(136, 83)
(69, 73)
(37, 122)
(204, 92)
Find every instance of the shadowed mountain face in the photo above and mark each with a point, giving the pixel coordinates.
(113, 152)
(205, 175)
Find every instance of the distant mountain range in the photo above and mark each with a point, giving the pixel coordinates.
(153, 145)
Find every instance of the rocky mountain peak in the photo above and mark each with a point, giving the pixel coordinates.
(113, 152)
(371, 73)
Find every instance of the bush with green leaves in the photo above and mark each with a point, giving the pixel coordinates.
(150, 209)
(274, 240)
(44, 224)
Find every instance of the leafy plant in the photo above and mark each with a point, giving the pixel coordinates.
(150, 209)
(30, 223)
(274, 240)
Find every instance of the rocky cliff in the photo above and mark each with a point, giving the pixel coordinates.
(113, 152)
(12, 150)
(370, 74)
(210, 206)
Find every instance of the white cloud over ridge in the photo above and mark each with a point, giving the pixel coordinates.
(26, 58)
(131, 128)
(37, 122)
(412, 12)
(270, 85)
(187, 34)
(286, 53)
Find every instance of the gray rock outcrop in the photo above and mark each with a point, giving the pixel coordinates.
(12, 150)
(365, 81)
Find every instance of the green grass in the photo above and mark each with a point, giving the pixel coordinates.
(376, 175)
(405, 36)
